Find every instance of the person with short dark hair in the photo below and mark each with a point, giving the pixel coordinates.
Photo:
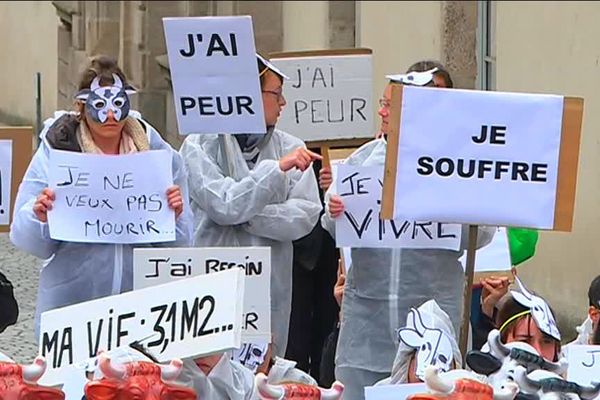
(520, 316)
(256, 190)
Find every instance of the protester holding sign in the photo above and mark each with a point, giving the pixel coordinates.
(384, 283)
(256, 190)
(103, 124)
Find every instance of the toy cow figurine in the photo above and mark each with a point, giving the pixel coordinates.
(138, 380)
(20, 382)
(462, 385)
(545, 385)
(296, 391)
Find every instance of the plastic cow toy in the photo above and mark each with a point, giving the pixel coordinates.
(19, 382)
(296, 391)
(462, 385)
(500, 364)
(138, 380)
(545, 385)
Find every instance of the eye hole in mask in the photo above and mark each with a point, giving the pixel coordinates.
(98, 104)
(119, 102)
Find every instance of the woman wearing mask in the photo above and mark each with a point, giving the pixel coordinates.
(102, 124)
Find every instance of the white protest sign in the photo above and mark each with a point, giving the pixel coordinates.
(214, 72)
(480, 157)
(161, 265)
(187, 318)
(347, 257)
(329, 96)
(5, 180)
(584, 364)
(394, 392)
(493, 257)
(360, 225)
(111, 199)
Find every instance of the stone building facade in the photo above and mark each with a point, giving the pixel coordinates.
(132, 31)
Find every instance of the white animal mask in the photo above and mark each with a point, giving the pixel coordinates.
(251, 355)
(433, 346)
(540, 310)
(272, 67)
(414, 78)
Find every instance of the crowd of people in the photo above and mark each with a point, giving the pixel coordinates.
(359, 326)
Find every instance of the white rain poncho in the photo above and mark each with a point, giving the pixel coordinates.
(235, 204)
(433, 317)
(77, 272)
(383, 284)
(228, 380)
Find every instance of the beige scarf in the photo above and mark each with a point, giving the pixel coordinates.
(133, 138)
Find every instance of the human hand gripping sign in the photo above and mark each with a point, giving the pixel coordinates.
(43, 204)
(300, 158)
(493, 290)
(175, 200)
(335, 206)
(325, 178)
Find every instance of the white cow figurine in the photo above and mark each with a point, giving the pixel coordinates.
(546, 385)
(500, 364)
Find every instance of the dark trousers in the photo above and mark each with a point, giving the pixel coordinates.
(314, 309)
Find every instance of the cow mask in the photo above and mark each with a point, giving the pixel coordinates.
(99, 100)
(540, 310)
(433, 346)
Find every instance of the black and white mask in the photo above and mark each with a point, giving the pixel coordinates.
(433, 346)
(414, 78)
(251, 355)
(99, 100)
(540, 310)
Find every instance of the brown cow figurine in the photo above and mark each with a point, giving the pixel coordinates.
(137, 380)
(20, 382)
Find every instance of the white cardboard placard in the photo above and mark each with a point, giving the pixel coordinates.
(584, 364)
(215, 75)
(5, 180)
(187, 318)
(328, 97)
(154, 266)
(493, 257)
(478, 157)
(111, 199)
(394, 392)
(360, 188)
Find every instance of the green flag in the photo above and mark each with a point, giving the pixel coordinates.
(521, 243)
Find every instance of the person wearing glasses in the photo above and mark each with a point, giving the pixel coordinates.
(256, 190)
(383, 284)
